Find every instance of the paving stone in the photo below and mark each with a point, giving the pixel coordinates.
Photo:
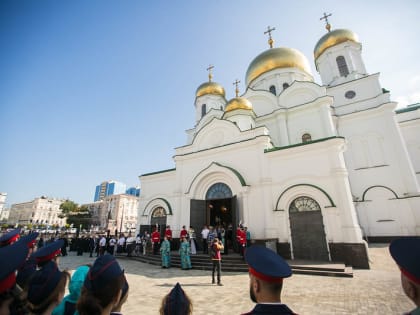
(374, 291)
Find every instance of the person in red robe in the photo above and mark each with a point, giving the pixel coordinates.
(155, 241)
(183, 233)
(168, 233)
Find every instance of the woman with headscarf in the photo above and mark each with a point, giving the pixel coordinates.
(68, 304)
(184, 252)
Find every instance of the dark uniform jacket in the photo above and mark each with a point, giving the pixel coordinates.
(270, 309)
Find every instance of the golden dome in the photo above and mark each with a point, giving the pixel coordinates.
(238, 103)
(274, 58)
(334, 38)
(210, 88)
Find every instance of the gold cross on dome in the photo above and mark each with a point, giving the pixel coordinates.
(327, 24)
(209, 69)
(268, 31)
(236, 88)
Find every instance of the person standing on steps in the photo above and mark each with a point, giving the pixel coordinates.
(193, 245)
(204, 235)
(155, 241)
(165, 250)
(184, 253)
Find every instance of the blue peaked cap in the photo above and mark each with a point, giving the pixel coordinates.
(406, 253)
(266, 265)
(104, 269)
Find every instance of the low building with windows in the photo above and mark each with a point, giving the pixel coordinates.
(4, 212)
(116, 213)
(312, 169)
(40, 211)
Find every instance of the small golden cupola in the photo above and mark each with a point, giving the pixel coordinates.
(276, 58)
(343, 62)
(333, 38)
(238, 102)
(210, 87)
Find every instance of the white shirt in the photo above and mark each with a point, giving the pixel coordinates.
(102, 242)
(121, 241)
(205, 233)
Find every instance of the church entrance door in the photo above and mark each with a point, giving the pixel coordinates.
(158, 220)
(219, 208)
(307, 229)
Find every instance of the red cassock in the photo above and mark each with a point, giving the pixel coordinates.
(238, 235)
(155, 237)
(168, 234)
(242, 237)
(183, 233)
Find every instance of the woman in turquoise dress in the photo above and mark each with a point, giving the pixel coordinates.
(165, 251)
(184, 252)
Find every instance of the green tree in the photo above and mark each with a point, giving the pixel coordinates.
(80, 219)
(69, 206)
(78, 216)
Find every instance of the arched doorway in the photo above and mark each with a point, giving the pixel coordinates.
(218, 201)
(307, 230)
(158, 219)
(219, 208)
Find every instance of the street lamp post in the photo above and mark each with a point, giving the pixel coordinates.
(122, 218)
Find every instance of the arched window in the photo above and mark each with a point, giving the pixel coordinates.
(159, 212)
(285, 86)
(219, 191)
(304, 204)
(203, 110)
(306, 137)
(342, 66)
(273, 89)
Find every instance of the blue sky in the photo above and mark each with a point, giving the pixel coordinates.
(104, 90)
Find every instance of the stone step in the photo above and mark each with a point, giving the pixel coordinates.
(234, 263)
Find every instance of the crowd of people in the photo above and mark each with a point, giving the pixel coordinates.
(31, 281)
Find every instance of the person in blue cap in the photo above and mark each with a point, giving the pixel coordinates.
(50, 252)
(102, 288)
(9, 238)
(9, 293)
(25, 272)
(266, 273)
(30, 240)
(46, 288)
(406, 253)
(176, 302)
(29, 266)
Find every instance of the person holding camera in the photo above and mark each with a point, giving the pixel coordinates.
(216, 258)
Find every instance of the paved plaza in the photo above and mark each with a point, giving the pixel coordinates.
(374, 291)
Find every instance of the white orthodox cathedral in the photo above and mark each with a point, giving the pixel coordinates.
(315, 169)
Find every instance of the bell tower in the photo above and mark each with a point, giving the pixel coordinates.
(209, 95)
(338, 56)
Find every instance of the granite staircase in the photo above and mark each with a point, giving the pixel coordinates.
(234, 263)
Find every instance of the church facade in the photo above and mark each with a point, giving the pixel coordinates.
(313, 170)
